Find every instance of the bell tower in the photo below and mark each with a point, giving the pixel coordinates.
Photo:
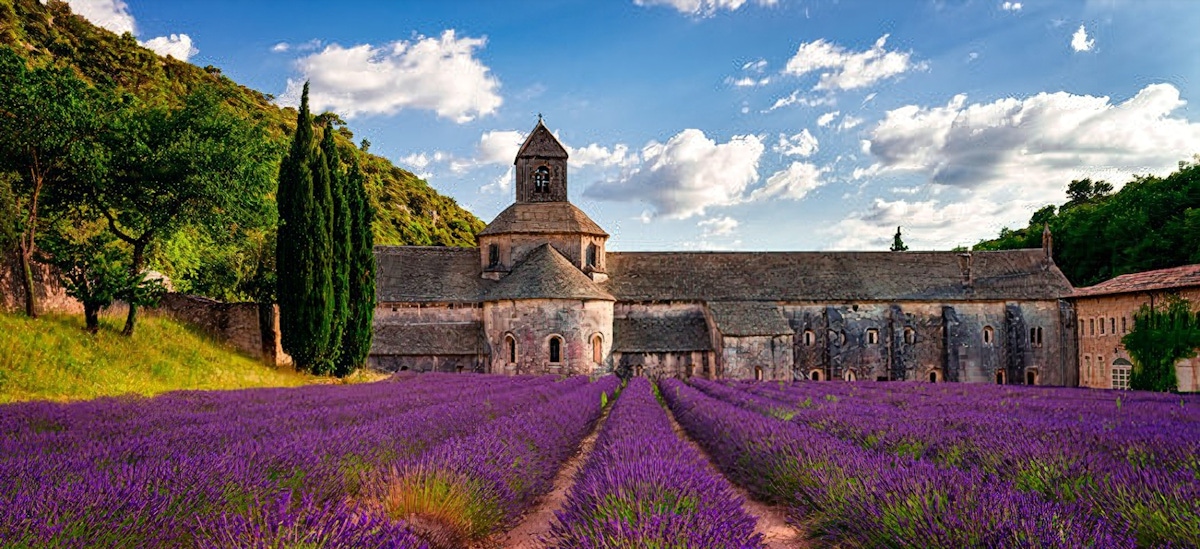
(541, 167)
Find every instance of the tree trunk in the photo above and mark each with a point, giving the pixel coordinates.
(135, 270)
(91, 317)
(25, 253)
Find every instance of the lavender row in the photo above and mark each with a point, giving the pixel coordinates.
(470, 487)
(1155, 494)
(645, 487)
(147, 492)
(859, 497)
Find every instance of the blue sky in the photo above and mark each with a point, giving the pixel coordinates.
(732, 124)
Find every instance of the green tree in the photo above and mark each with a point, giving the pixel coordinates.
(356, 337)
(1083, 191)
(898, 243)
(48, 121)
(302, 282)
(340, 234)
(92, 264)
(1161, 337)
(198, 165)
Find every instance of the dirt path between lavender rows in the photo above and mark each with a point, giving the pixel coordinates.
(777, 533)
(535, 525)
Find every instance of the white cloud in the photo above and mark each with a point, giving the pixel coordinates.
(110, 14)
(1080, 40)
(993, 164)
(827, 118)
(748, 82)
(311, 45)
(849, 122)
(796, 99)
(499, 147)
(793, 182)
(501, 184)
(702, 8)
(755, 66)
(597, 155)
(845, 70)
(114, 15)
(439, 74)
(1011, 6)
(927, 224)
(281, 47)
(800, 144)
(178, 46)
(717, 226)
(687, 174)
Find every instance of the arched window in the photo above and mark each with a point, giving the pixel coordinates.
(597, 349)
(1112, 325)
(591, 255)
(1091, 326)
(1031, 377)
(638, 371)
(758, 375)
(510, 343)
(1000, 377)
(989, 335)
(935, 376)
(555, 349)
(849, 375)
(809, 338)
(541, 179)
(872, 337)
(493, 255)
(910, 336)
(814, 375)
(1101, 326)
(1035, 335)
(1123, 330)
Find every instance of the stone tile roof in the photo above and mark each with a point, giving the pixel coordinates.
(541, 143)
(681, 333)
(749, 318)
(1162, 279)
(543, 218)
(428, 339)
(833, 276)
(545, 273)
(418, 274)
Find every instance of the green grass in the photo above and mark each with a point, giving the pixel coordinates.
(53, 358)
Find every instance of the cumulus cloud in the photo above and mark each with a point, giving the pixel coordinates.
(1011, 6)
(717, 226)
(687, 174)
(993, 164)
(114, 15)
(793, 182)
(439, 74)
(841, 69)
(178, 46)
(927, 224)
(597, 155)
(702, 8)
(826, 119)
(1080, 40)
(800, 144)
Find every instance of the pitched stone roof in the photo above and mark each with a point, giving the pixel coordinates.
(428, 339)
(546, 274)
(1162, 279)
(419, 274)
(661, 334)
(749, 318)
(541, 143)
(833, 276)
(543, 218)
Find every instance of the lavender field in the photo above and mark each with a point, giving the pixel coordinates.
(447, 460)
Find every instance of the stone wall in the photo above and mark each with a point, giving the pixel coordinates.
(656, 366)
(1104, 319)
(248, 327)
(533, 322)
(435, 363)
(757, 357)
(51, 296)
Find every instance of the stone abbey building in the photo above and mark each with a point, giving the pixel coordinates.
(541, 294)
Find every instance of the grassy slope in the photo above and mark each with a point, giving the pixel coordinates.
(52, 358)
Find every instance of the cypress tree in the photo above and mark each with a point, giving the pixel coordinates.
(320, 246)
(340, 233)
(303, 308)
(356, 338)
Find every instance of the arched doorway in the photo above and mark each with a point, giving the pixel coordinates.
(1000, 377)
(815, 375)
(935, 376)
(1031, 377)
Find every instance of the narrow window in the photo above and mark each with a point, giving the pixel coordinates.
(541, 179)
(1091, 326)
(1123, 330)
(1101, 326)
(511, 343)
(597, 349)
(910, 336)
(999, 377)
(1031, 378)
(1112, 325)
(591, 255)
(493, 255)
(872, 337)
(933, 376)
(849, 375)
(989, 335)
(555, 349)
(809, 338)
(758, 373)
(638, 370)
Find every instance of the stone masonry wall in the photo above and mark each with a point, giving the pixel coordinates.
(238, 324)
(532, 322)
(1102, 322)
(51, 296)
